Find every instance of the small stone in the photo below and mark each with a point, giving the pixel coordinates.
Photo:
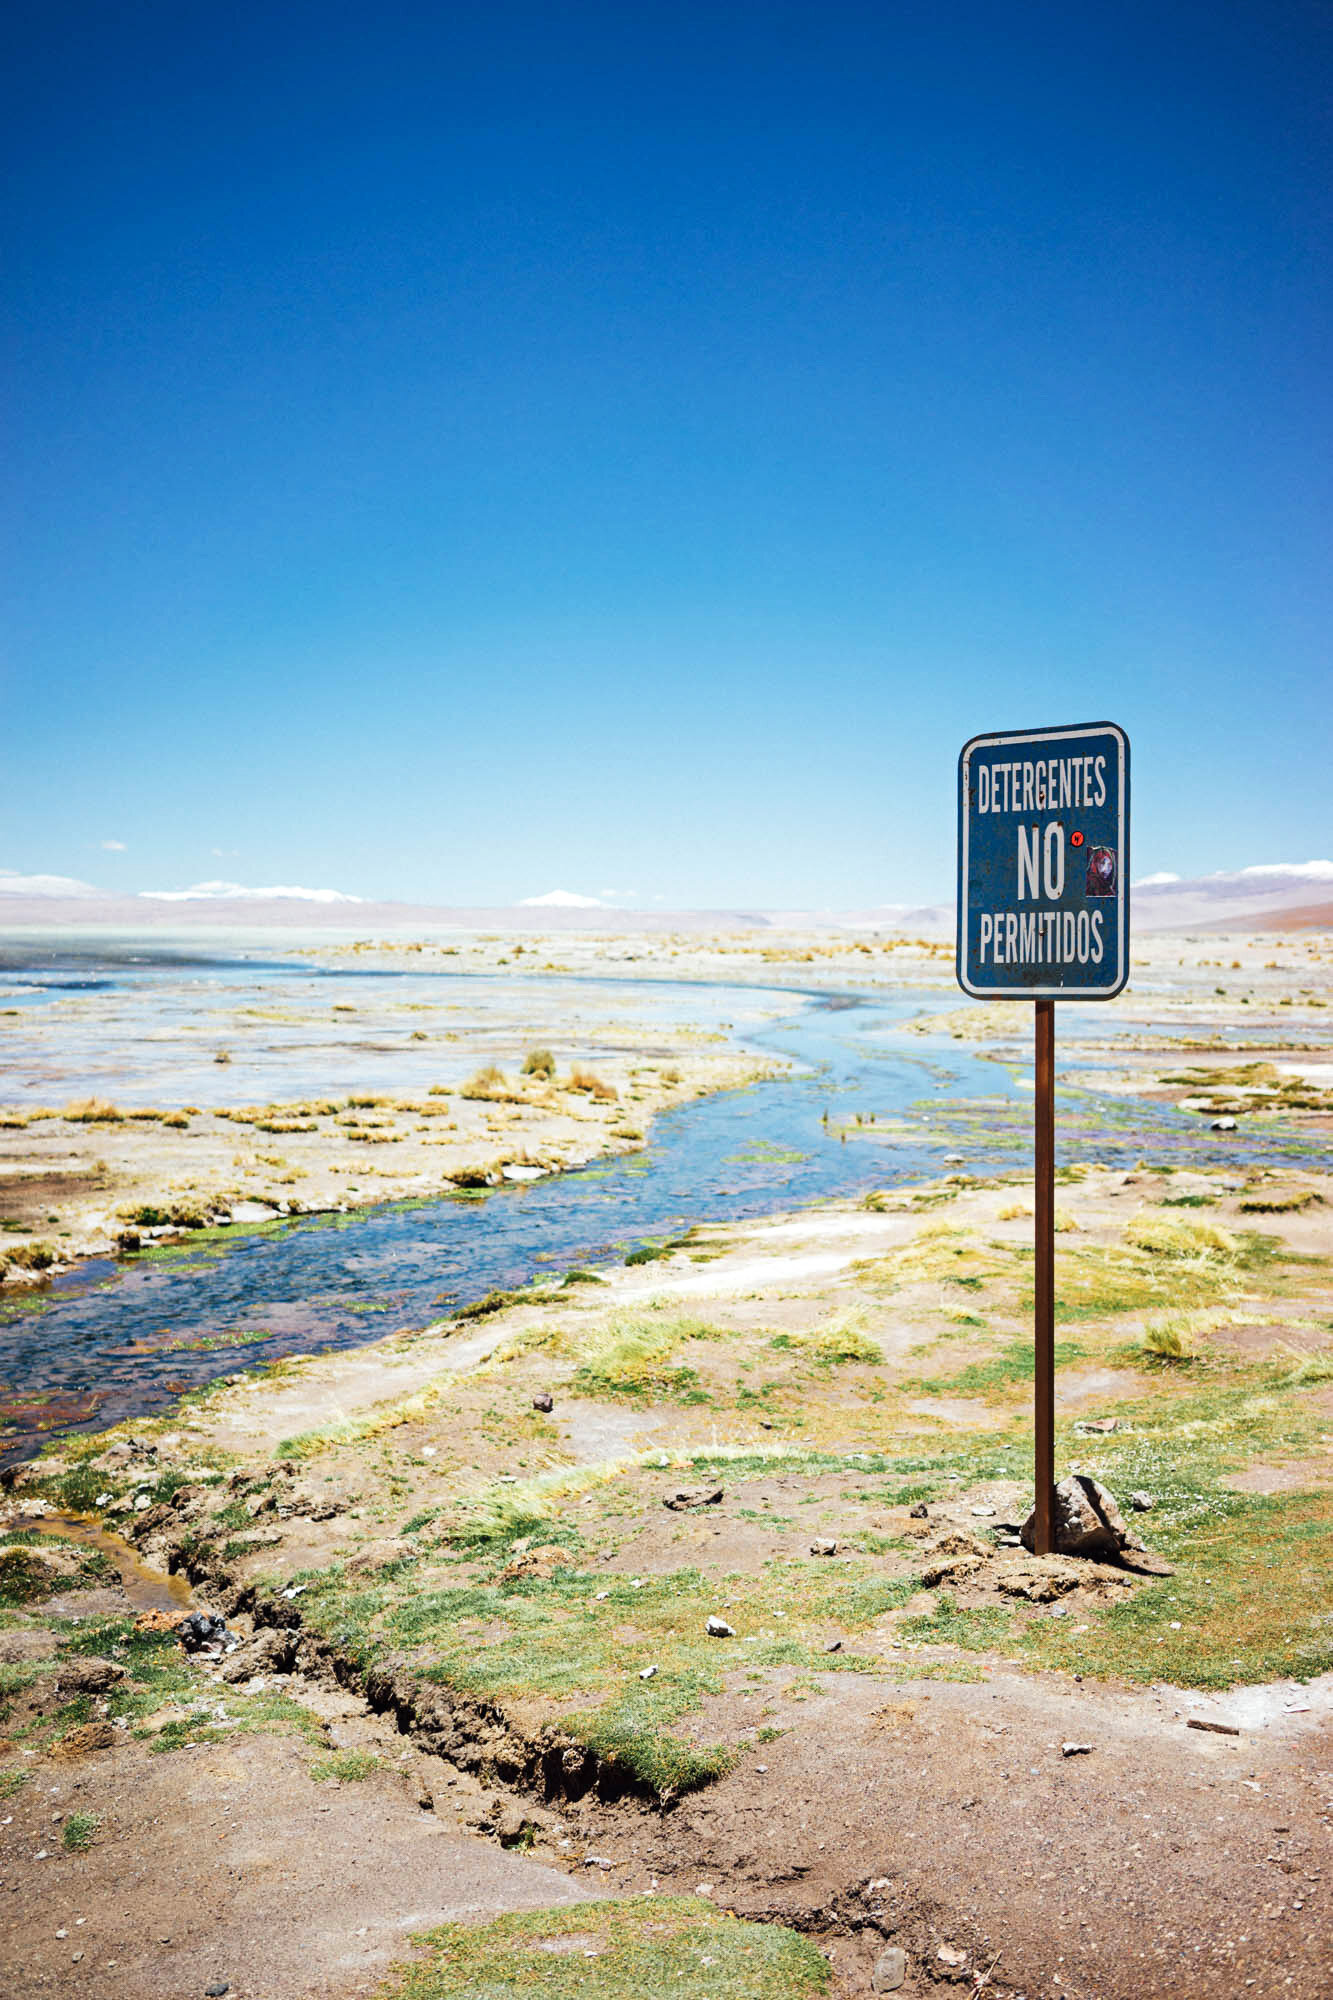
(1224, 1124)
(703, 1888)
(890, 1970)
(919, 1512)
(543, 1400)
(718, 1628)
(1076, 1749)
(825, 1546)
(833, 1646)
(217, 1989)
(646, 1673)
(685, 1499)
(1141, 1502)
(949, 1954)
(981, 1510)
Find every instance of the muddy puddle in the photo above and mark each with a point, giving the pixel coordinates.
(145, 1588)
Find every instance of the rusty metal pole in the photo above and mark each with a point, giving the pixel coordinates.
(1043, 1316)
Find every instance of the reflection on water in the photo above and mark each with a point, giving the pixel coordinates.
(869, 1106)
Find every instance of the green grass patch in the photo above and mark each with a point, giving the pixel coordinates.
(345, 1767)
(982, 1628)
(642, 1948)
(1252, 1596)
(994, 1376)
(79, 1832)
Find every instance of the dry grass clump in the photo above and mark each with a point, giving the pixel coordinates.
(488, 1085)
(1280, 1201)
(1065, 1223)
(93, 1111)
(1306, 1370)
(593, 1085)
(1168, 1338)
(539, 1062)
(1165, 1236)
(29, 1257)
(838, 1341)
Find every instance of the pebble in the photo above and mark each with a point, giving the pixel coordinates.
(216, 1991)
(1224, 1124)
(825, 1546)
(890, 1970)
(833, 1646)
(981, 1510)
(919, 1512)
(1076, 1749)
(718, 1628)
(1142, 1503)
(543, 1400)
(646, 1673)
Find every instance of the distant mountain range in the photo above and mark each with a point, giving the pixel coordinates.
(1281, 895)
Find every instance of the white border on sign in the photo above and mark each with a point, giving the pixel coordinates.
(1107, 992)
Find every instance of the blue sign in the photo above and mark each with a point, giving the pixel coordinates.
(1043, 864)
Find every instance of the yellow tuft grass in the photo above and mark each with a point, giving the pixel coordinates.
(1164, 1236)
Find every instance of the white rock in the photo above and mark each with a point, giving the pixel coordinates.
(718, 1628)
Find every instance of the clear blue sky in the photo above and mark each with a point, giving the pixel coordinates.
(459, 451)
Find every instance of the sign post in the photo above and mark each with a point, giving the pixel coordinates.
(1043, 914)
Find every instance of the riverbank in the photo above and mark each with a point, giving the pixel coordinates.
(471, 1572)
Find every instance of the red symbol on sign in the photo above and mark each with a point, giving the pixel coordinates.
(1076, 840)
